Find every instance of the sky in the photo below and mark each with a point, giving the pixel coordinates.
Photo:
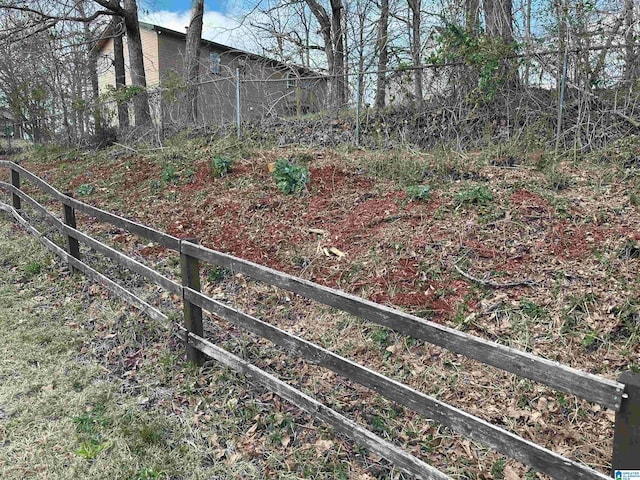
(218, 24)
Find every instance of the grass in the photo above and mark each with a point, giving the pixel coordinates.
(509, 216)
(65, 351)
(63, 416)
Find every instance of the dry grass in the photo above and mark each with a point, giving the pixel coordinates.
(90, 389)
(570, 227)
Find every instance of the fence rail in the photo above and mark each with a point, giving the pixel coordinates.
(623, 396)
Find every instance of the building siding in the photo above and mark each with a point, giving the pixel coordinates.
(264, 92)
(107, 72)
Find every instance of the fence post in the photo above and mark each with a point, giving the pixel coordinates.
(238, 101)
(190, 272)
(626, 436)
(15, 181)
(73, 246)
(358, 102)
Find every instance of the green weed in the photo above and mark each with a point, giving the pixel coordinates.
(149, 473)
(531, 309)
(418, 192)
(216, 274)
(289, 177)
(32, 269)
(557, 180)
(85, 189)
(90, 422)
(380, 336)
(478, 195)
(497, 469)
(221, 165)
(169, 174)
(90, 449)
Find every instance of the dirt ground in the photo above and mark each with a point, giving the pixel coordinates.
(546, 252)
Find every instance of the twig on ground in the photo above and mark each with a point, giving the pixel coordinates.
(391, 219)
(124, 146)
(489, 283)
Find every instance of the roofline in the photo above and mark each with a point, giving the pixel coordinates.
(226, 48)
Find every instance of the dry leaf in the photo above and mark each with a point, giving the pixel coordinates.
(252, 430)
(286, 439)
(322, 446)
(336, 252)
(393, 348)
(611, 416)
(510, 473)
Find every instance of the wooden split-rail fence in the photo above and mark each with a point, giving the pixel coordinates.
(622, 396)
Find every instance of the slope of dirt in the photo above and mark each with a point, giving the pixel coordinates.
(565, 233)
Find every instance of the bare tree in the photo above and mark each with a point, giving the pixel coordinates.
(382, 52)
(416, 48)
(499, 27)
(192, 58)
(632, 55)
(129, 13)
(333, 36)
(118, 66)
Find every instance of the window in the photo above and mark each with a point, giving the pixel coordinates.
(291, 80)
(214, 60)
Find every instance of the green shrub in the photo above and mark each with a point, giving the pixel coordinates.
(217, 273)
(418, 192)
(33, 268)
(289, 177)
(85, 189)
(221, 165)
(478, 195)
(169, 174)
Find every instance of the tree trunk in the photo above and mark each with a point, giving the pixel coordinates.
(416, 48)
(92, 71)
(337, 33)
(383, 54)
(499, 26)
(192, 59)
(118, 63)
(527, 36)
(136, 63)
(332, 34)
(499, 18)
(632, 56)
(472, 17)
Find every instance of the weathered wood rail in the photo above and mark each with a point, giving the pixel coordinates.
(621, 396)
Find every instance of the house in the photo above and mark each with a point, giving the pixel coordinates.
(9, 127)
(268, 87)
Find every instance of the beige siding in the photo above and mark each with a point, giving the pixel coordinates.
(151, 62)
(106, 70)
(265, 91)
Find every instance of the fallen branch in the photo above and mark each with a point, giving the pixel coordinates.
(489, 283)
(390, 219)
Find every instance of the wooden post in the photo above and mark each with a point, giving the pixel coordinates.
(190, 270)
(626, 437)
(15, 181)
(238, 104)
(73, 246)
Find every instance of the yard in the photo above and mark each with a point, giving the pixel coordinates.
(533, 251)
